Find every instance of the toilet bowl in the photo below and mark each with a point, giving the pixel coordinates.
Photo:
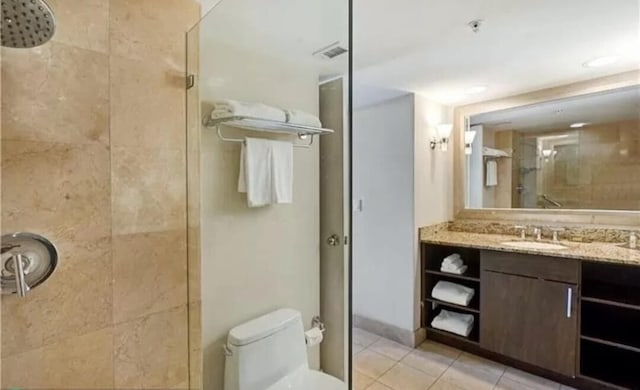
(269, 353)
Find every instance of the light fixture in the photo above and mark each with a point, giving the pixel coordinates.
(469, 136)
(601, 61)
(476, 89)
(578, 125)
(443, 134)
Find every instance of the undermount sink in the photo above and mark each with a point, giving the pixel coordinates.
(534, 245)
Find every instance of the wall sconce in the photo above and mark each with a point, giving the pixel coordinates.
(469, 136)
(443, 133)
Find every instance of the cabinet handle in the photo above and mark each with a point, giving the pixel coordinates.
(569, 301)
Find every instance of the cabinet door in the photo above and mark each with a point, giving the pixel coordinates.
(529, 319)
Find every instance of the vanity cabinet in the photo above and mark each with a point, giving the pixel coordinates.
(528, 309)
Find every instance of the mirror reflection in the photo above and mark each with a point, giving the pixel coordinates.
(575, 153)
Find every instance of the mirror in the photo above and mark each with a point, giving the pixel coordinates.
(576, 153)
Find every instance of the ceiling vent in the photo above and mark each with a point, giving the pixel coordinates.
(330, 52)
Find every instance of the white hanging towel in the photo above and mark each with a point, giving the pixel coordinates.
(266, 172)
(492, 173)
(460, 324)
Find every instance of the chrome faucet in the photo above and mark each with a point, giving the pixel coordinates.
(538, 233)
(523, 231)
(555, 233)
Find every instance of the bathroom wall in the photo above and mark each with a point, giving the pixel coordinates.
(261, 259)
(93, 157)
(403, 185)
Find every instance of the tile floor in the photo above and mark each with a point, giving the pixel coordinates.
(381, 364)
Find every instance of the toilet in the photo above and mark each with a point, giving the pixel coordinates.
(270, 353)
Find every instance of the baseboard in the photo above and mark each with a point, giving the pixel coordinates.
(403, 336)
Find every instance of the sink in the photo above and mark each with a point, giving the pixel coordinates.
(541, 246)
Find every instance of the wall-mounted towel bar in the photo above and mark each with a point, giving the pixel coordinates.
(264, 125)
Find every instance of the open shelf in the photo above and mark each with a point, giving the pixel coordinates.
(473, 305)
(465, 276)
(617, 326)
(610, 364)
(611, 284)
(474, 336)
(436, 253)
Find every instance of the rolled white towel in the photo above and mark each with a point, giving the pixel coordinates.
(456, 270)
(230, 108)
(453, 293)
(298, 117)
(460, 324)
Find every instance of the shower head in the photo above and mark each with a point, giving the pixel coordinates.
(26, 23)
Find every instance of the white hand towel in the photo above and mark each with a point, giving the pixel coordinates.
(453, 263)
(492, 173)
(230, 108)
(451, 258)
(457, 270)
(453, 293)
(460, 324)
(303, 118)
(266, 172)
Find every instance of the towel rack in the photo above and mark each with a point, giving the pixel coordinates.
(265, 125)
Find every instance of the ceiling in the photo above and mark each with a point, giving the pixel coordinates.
(426, 47)
(615, 106)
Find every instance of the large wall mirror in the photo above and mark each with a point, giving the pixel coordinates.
(580, 153)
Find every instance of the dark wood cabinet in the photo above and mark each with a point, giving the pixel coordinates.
(530, 319)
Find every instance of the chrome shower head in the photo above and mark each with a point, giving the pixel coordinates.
(26, 23)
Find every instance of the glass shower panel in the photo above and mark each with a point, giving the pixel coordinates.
(290, 59)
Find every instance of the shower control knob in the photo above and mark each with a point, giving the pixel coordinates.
(333, 240)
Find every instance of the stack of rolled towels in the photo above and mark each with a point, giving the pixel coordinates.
(453, 264)
(457, 323)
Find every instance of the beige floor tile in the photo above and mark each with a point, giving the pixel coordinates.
(516, 379)
(390, 349)
(355, 348)
(444, 385)
(361, 381)
(378, 386)
(364, 338)
(403, 377)
(473, 373)
(432, 358)
(372, 364)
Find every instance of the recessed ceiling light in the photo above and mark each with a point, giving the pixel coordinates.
(601, 61)
(476, 89)
(578, 125)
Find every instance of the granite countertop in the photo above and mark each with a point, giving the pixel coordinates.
(595, 251)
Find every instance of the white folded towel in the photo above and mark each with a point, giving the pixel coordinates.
(266, 172)
(302, 118)
(451, 258)
(453, 293)
(230, 108)
(456, 270)
(453, 263)
(460, 324)
(492, 173)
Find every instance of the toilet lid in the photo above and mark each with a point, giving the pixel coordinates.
(309, 380)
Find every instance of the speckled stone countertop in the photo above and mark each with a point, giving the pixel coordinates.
(594, 251)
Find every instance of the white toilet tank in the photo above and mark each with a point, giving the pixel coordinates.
(264, 350)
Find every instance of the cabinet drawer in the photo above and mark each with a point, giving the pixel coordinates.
(544, 267)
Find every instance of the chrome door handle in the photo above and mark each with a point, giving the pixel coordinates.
(333, 240)
(569, 301)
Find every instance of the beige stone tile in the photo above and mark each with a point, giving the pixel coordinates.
(361, 381)
(516, 379)
(378, 386)
(148, 190)
(372, 364)
(195, 345)
(151, 352)
(364, 338)
(356, 348)
(194, 264)
(403, 377)
(443, 385)
(76, 299)
(473, 373)
(82, 23)
(44, 105)
(82, 362)
(58, 190)
(431, 358)
(390, 349)
(147, 104)
(140, 29)
(149, 273)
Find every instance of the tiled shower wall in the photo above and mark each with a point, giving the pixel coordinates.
(93, 157)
